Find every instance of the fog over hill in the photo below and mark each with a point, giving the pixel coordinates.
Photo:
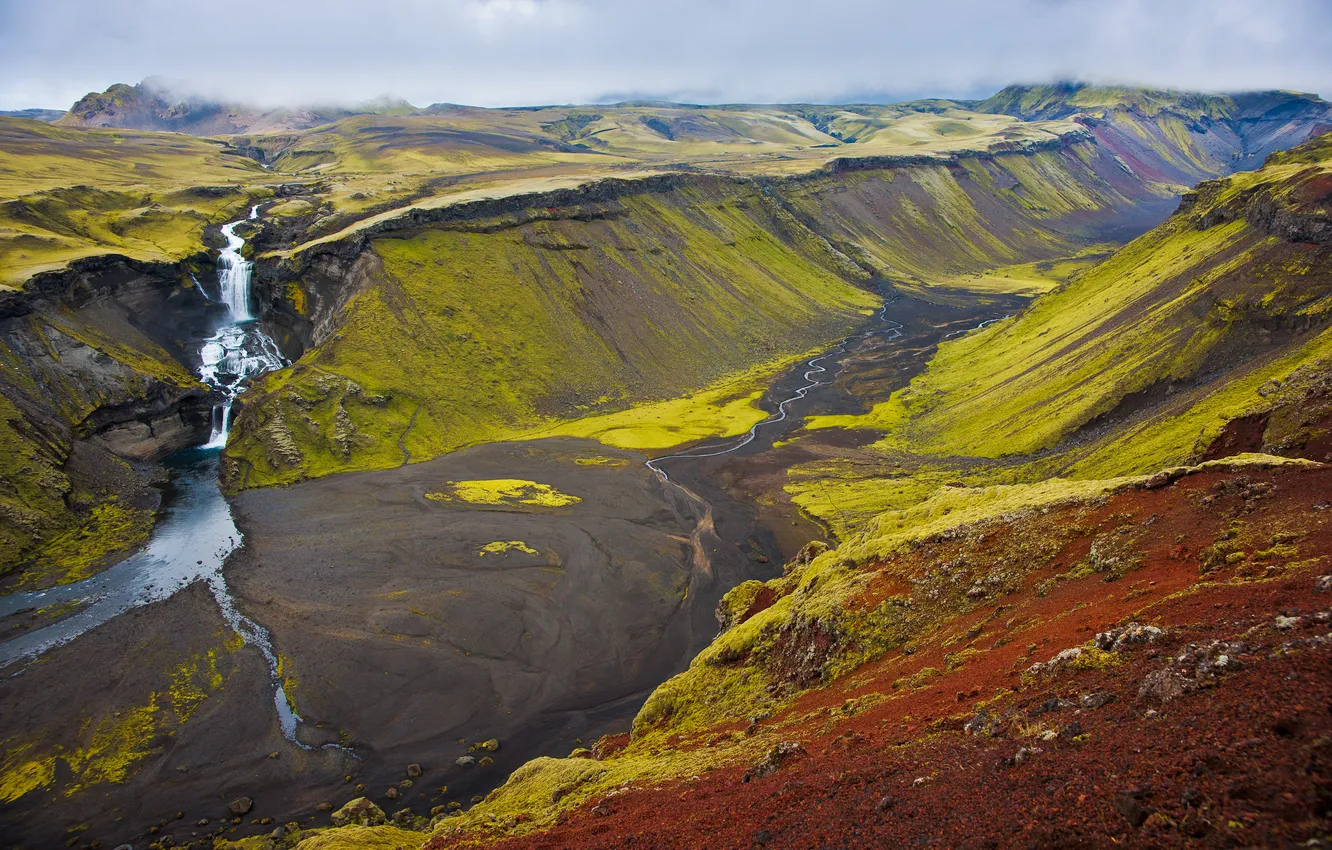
(511, 52)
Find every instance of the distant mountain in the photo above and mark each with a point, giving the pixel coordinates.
(34, 114)
(153, 105)
(1245, 127)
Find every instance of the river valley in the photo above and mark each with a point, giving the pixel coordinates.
(408, 645)
(309, 654)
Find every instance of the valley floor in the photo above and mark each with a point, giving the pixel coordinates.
(412, 622)
(1210, 727)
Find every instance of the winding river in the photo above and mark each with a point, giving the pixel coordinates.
(197, 533)
(813, 370)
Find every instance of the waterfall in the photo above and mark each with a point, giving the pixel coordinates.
(239, 350)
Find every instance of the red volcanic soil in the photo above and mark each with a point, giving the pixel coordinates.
(1217, 733)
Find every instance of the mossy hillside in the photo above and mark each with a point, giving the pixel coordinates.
(1143, 359)
(61, 371)
(930, 225)
(1160, 311)
(66, 194)
(890, 588)
(1027, 279)
(483, 334)
(1064, 99)
(1171, 135)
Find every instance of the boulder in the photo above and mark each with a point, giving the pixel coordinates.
(359, 812)
(241, 805)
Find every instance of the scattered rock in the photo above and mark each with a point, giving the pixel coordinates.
(201, 822)
(359, 789)
(773, 760)
(1050, 706)
(1126, 803)
(486, 761)
(405, 784)
(1063, 660)
(1165, 685)
(435, 811)
(885, 804)
(1070, 731)
(465, 761)
(762, 837)
(275, 755)
(359, 812)
(1022, 755)
(1119, 639)
(391, 793)
(979, 724)
(414, 771)
(1287, 623)
(241, 805)
(1194, 825)
(324, 807)
(403, 818)
(1323, 584)
(278, 834)
(1095, 701)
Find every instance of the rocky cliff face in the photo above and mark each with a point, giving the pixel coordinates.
(95, 383)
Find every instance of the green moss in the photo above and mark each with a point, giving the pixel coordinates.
(547, 335)
(1131, 346)
(498, 492)
(73, 193)
(110, 531)
(362, 838)
(112, 746)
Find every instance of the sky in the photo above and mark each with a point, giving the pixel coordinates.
(525, 52)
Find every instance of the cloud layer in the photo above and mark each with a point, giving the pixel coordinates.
(512, 52)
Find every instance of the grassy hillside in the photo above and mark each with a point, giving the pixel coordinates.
(1000, 637)
(1220, 313)
(998, 593)
(66, 194)
(565, 289)
(494, 329)
(1185, 135)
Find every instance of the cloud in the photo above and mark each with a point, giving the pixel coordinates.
(511, 52)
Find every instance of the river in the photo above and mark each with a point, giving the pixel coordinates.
(197, 533)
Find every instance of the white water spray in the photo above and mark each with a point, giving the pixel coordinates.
(239, 350)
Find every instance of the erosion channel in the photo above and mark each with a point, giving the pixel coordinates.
(316, 657)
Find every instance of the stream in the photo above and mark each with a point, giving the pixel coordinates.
(893, 329)
(197, 533)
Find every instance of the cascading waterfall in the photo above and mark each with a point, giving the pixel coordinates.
(239, 350)
(196, 536)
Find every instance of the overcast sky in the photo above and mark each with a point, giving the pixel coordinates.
(514, 52)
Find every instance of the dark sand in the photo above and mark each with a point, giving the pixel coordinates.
(402, 641)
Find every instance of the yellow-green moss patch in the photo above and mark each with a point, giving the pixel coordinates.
(509, 492)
